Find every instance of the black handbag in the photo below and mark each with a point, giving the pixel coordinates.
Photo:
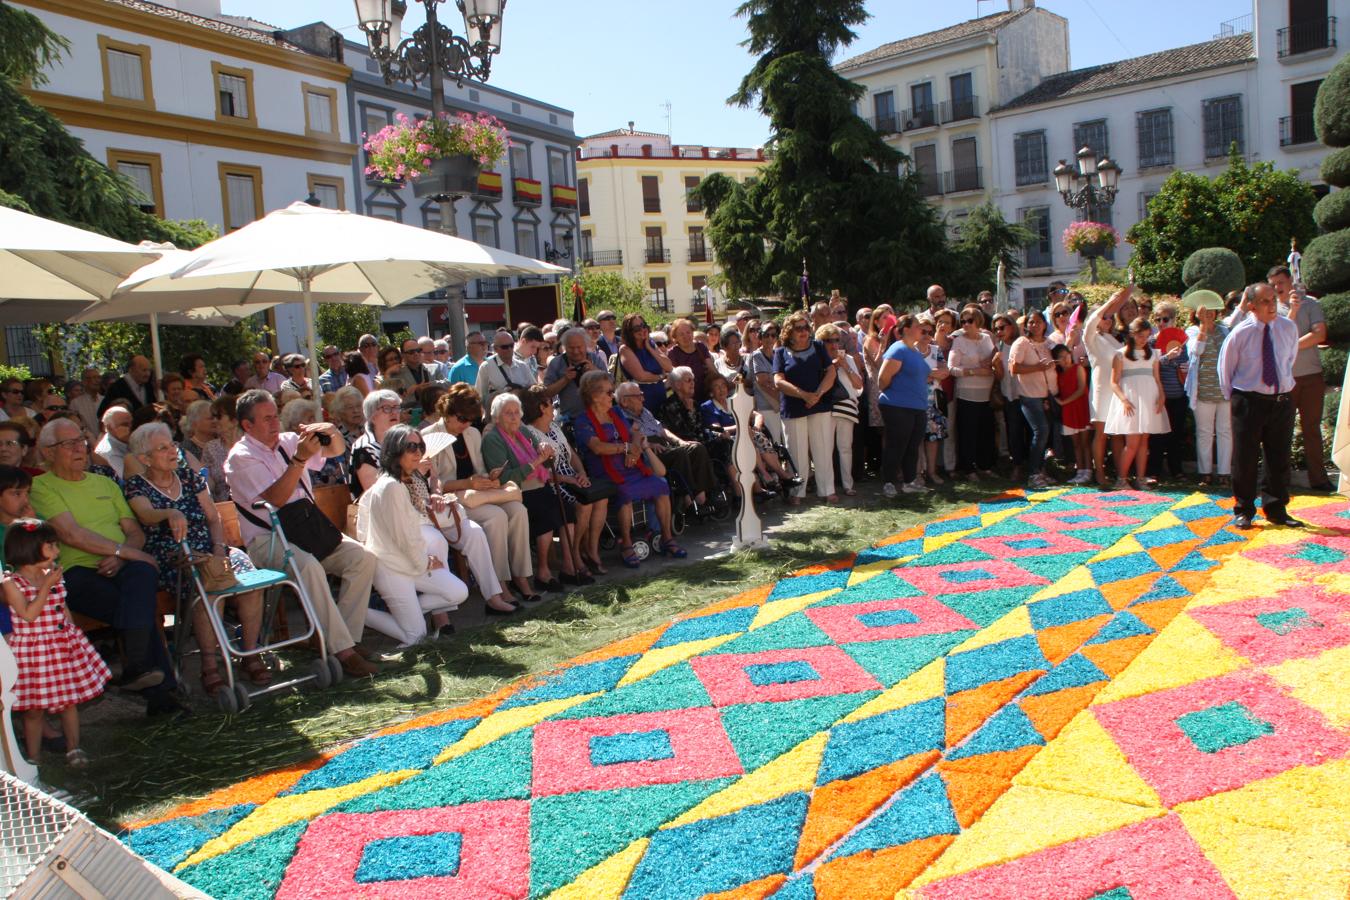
(302, 522)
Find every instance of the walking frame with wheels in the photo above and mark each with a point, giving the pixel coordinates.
(235, 696)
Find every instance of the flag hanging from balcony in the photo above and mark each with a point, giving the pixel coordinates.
(578, 303)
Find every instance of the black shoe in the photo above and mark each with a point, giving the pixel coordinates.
(445, 631)
(1243, 523)
(577, 580)
(494, 611)
(167, 704)
(551, 586)
(1325, 487)
(134, 681)
(1287, 522)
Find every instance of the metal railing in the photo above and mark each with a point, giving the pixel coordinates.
(490, 289)
(602, 258)
(922, 117)
(1305, 37)
(698, 251)
(1232, 27)
(884, 124)
(658, 255)
(957, 180)
(1297, 129)
(930, 184)
(959, 109)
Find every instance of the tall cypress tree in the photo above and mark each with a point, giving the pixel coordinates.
(834, 193)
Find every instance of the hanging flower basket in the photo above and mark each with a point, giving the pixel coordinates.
(442, 147)
(1090, 239)
(448, 176)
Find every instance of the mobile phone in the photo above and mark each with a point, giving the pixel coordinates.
(496, 473)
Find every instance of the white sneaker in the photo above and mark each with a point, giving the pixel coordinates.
(1083, 477)
(915, 487)
(889, 491)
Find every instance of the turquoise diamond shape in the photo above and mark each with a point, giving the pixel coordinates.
(1287, 620)
(1027, 544)
(966, 576)
(1318, 554)
(886, 617)
(630, 746)
(763, 674)
(1221, 727)
(410, 856)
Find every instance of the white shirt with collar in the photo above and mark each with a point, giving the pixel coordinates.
(252, 467)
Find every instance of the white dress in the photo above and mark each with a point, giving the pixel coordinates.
(1140, 385)
(1101, 350)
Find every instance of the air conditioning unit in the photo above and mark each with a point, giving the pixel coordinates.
(49, 850)
(911, 124)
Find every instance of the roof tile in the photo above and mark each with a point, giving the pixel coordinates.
(982, 25)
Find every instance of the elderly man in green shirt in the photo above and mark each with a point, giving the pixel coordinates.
(108, 576)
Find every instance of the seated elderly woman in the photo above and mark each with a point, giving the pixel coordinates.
(382, 410)
(398, 521)
(345, 411)
(686, 460)
(589, 500)
(308, 412)
(215, 451)
(199, 429)
(496, 509)
(623, 456)
(525, 460)
(172, 502)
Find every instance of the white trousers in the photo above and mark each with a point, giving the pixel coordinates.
(1213, 423)
(472, 541)
(507, 528)
(773, 423)
(810, 439)
(410, 598)
(843, 440)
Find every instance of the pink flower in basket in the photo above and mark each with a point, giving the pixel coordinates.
(407, 148)
(1090, 237)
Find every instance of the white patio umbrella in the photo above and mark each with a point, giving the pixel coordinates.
(343, 256)
(43, 260)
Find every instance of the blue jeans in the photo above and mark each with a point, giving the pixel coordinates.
(126, 601)
(1033, 410)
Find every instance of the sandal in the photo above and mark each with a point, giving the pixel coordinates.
(630, 559)
(77, 759)
(673, 550)
(211, 682)
(594, 565)
(257, 671)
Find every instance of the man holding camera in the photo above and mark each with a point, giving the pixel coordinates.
(565, 370)
(268, 465)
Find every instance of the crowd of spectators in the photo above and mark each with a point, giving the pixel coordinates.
(505, 469)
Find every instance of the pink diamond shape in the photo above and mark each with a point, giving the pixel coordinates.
(1113, 499)
(843, 623)
(1334, 515)
(1048, 543)
(562, 758)
(494, 858)
(1151, 858)
(1325, 625)
(968, 577)
(1145, 729)
(725, 678)
(1304, 553)
(1077, 519)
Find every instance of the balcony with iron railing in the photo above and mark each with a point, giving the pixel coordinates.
(527, 192)
(602, 257)
(957, 180)
(1306, 37)
(490, 288)
(698, 251)
(886, 124)
(959, 109)
(657, 254)
(1297, 129)
(489, 186)
(921, 117)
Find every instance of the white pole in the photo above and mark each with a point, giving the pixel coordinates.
(154, 351)
(10, 758)
(309, 335)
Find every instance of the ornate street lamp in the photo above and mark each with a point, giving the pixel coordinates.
(1090, 186)
(432, 54)
(554, 255)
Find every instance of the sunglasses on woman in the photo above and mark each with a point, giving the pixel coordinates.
(967, 321)
(409, 448)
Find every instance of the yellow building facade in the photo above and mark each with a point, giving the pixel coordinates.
(637, 217)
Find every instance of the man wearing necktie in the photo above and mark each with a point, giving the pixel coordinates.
(1256, 372)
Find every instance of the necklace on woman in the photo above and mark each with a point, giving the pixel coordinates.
(166, 486)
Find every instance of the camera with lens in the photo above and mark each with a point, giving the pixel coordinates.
(580, 369)
(324, 440)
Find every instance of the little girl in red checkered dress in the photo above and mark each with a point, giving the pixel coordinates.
(58, 667)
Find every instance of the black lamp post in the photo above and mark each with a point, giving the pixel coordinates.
(433, 53)
(1089, 187)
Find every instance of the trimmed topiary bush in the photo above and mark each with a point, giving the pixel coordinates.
(1336, 308)
(1326, 263)
(1331, 111)
(1332, 212)
(1333, 365)
(1336, 168)
(1214, 268)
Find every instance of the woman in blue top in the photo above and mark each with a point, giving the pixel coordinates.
(642, 361)
(804, 375)
(903, 399)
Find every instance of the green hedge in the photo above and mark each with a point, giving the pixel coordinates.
(1331, 111)
(1332, 212)
(1336, 308)
(1336, 168)
(1333, 365)
(1326, 263)
(1215, 268)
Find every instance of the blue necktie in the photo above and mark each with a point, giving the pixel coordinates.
(1268, 376)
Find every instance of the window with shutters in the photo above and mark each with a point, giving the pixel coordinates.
(921, 110)
(651, 194)
(691, 203)
(1144, 198)
(1039, 251)
(1093, 135)
(883, 106)
(144, 171)
(1031, 161)
(525, 239)
(1155, 137)
(485, 231)
(656, 245)
(320, 110)
(924, 159)
(329, 190)
(126, 73)
(234, 94)
(557, 169)
(1223, 126)
(584, 196)
(520, 160)
(659, 299)
(241, 193)
(698, 248)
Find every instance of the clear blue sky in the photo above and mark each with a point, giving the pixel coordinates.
(612, 61)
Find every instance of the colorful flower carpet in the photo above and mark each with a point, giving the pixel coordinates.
(1069, 695)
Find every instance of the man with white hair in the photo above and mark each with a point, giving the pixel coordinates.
(112, 446)
(439, 370)
(268, 465)
(440, 352)
(133, 387)
(565, 370)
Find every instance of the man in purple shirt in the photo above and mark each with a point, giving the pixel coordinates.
(266, 464)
